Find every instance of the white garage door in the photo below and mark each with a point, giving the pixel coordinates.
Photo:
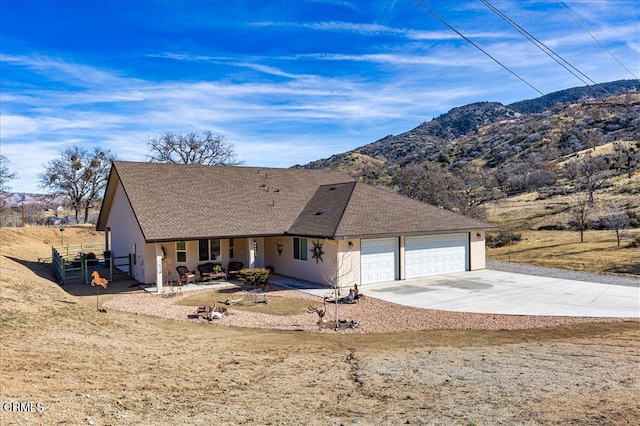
(378, 260)
(436, 254)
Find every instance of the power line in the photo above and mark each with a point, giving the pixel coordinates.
(543, 47)
(596, 40)
(475, 45)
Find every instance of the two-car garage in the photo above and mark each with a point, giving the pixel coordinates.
(424, 255)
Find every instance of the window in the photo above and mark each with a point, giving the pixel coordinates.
(300, 248)
(231, 249)
(209, 250)
(181, 251)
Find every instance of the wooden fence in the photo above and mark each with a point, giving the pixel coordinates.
(77, 261)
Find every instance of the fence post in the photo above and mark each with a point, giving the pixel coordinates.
(83, 266)
(63, 271)
(113, 259)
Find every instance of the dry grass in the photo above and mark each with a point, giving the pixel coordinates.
(599, 252)
(87, 367)
(562, 249)
(244, 301)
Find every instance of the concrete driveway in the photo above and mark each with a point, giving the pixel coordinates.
(488, 291)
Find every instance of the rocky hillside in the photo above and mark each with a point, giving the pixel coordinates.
(564, 148)
(557, 124)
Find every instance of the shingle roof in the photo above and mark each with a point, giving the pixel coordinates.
(377, 212)
(183, 202)
(323, 213)
(186, 202)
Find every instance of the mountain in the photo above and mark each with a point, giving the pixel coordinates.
(574, 95)
(15, 199)
(492, 134)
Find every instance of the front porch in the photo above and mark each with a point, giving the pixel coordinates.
(276, 279)
(289, 256)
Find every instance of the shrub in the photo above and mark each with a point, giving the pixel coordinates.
(629, 189)
(635, 243)
(503, 238)
(555, 227)
(255, 277)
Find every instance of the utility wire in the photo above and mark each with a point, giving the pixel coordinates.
(596, 40)
(543, 47)
(475, 45)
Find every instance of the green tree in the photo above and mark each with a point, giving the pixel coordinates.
(80, 175)
(191, 148)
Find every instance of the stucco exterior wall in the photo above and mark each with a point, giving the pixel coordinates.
(310, 270)
(349, 259)
(477, 250)
(125, 234)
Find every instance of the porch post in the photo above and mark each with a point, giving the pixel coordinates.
(107, 232)
(252, 252)
(159, 271)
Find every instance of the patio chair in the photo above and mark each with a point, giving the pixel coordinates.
(233, 268)
(185, 275)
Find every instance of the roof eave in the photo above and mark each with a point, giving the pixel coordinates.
(414, 233)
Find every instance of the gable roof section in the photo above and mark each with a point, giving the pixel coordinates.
(186, 202)
(323, 213)
(375, 212)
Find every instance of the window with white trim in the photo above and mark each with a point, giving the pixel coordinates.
(181, 251)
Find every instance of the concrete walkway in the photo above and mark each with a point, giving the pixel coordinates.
(488, 291)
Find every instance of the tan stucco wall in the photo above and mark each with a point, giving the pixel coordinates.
(477, 250)
(349, 260)
(309, 270)
(125, 233)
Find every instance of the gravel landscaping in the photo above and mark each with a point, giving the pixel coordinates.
(372, 315)
(523, 268)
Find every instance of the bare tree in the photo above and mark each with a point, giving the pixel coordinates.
(339, 271)
(526, 174)
(591, 173)
(191, 148)
(465, 190)
(5, 176)
(581, 214)
(617, 220)
(477, 188)
(626, 157)
(80, 175)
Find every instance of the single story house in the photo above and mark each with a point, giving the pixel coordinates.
(317, 225)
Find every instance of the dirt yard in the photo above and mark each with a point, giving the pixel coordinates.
(62, 362)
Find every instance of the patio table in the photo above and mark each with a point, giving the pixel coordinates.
(208, 276)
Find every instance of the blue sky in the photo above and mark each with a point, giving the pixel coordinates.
(286, 82)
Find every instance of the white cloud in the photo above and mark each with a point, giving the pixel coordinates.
(296, 105)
